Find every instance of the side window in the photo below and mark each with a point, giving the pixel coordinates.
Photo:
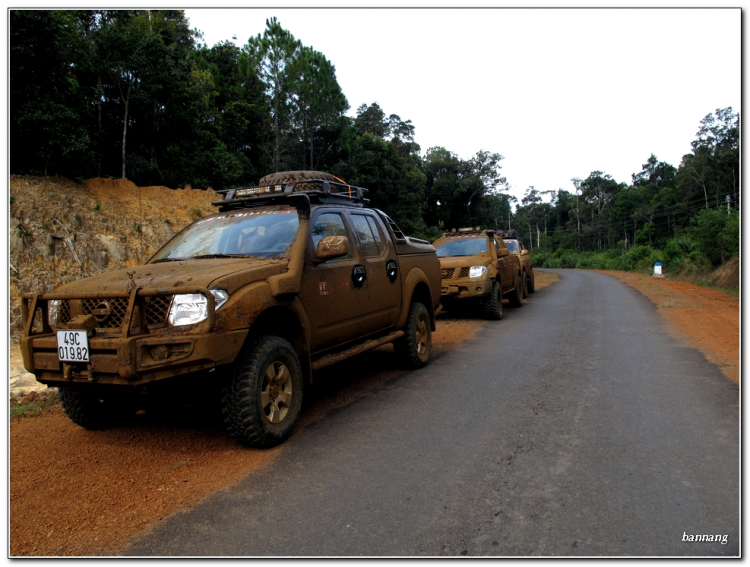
(368, 235)
(329, 224)
(375, 231)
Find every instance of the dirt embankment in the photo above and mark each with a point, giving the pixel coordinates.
(61, 231)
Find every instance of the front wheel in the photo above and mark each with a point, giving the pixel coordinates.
(262, 401)
(531, 283)
(493, 304)
(85, 409)
(413, 349)
(524, 287)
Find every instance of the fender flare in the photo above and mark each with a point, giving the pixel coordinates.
(415, 277)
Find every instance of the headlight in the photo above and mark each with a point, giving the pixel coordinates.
(476, 271)
(53, 312)
(192, 308)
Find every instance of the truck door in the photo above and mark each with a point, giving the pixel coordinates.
(505, 266)
(334, 292)
(383, 274)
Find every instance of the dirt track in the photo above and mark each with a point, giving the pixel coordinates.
(76, 492)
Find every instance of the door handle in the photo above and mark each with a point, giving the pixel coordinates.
(391, 269)
(359, 275)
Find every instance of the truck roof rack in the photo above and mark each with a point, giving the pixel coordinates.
(316, 190)
(469, 233)
(511, 233)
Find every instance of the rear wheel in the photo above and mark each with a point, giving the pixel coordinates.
(413, 349)
(515, 296)
(493, 304)
(262, 401)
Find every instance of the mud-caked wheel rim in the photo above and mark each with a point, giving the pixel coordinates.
(424, 338)
(276, 392)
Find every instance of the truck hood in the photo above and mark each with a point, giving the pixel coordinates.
(176, 274)
(462, 261)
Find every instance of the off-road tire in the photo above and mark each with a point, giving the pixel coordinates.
(515, 296)
(532, 288)
(86, 410)
(493, 304)
(524, 287)
(248, 397)
(413, 349)
(294, 177)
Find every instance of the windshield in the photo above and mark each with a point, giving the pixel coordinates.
(463, 247)
(512, 245)
(264, 233)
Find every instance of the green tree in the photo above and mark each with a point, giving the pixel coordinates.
(48, 124)
(315, 97)
(711, 170)
(268, 56)
(716, 234)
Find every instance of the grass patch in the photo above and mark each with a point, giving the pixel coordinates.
(33, 404)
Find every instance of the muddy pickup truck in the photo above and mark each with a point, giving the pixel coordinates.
(516, 246)
(244, 304)
(477, 268)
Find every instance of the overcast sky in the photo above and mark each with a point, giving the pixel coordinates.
(558, 92)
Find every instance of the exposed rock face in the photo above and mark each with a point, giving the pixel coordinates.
(61, 231)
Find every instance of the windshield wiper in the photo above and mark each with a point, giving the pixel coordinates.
(204, 256)
(168, 260)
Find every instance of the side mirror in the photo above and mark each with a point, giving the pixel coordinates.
(331, 247)
(524, 253)
(502, 252)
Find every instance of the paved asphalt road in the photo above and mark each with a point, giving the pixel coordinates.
(575, 426)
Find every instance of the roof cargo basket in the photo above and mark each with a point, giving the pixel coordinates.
(317, 190)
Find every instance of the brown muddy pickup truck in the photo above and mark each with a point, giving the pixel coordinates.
(516, 246)
(244, 304)
(477, 268)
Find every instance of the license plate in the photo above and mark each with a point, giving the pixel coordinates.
(72, 346)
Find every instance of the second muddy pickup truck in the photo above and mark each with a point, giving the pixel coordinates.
(288, 277)
(476, 268)
(516, 246)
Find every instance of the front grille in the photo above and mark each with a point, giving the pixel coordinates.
(464, 273)
(157, 310)
(63, 311)
(109, 313)
(447, 273)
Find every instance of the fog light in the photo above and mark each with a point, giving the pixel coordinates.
(479, 290)
(160, 352)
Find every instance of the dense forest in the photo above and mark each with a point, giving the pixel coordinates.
(137, 94)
